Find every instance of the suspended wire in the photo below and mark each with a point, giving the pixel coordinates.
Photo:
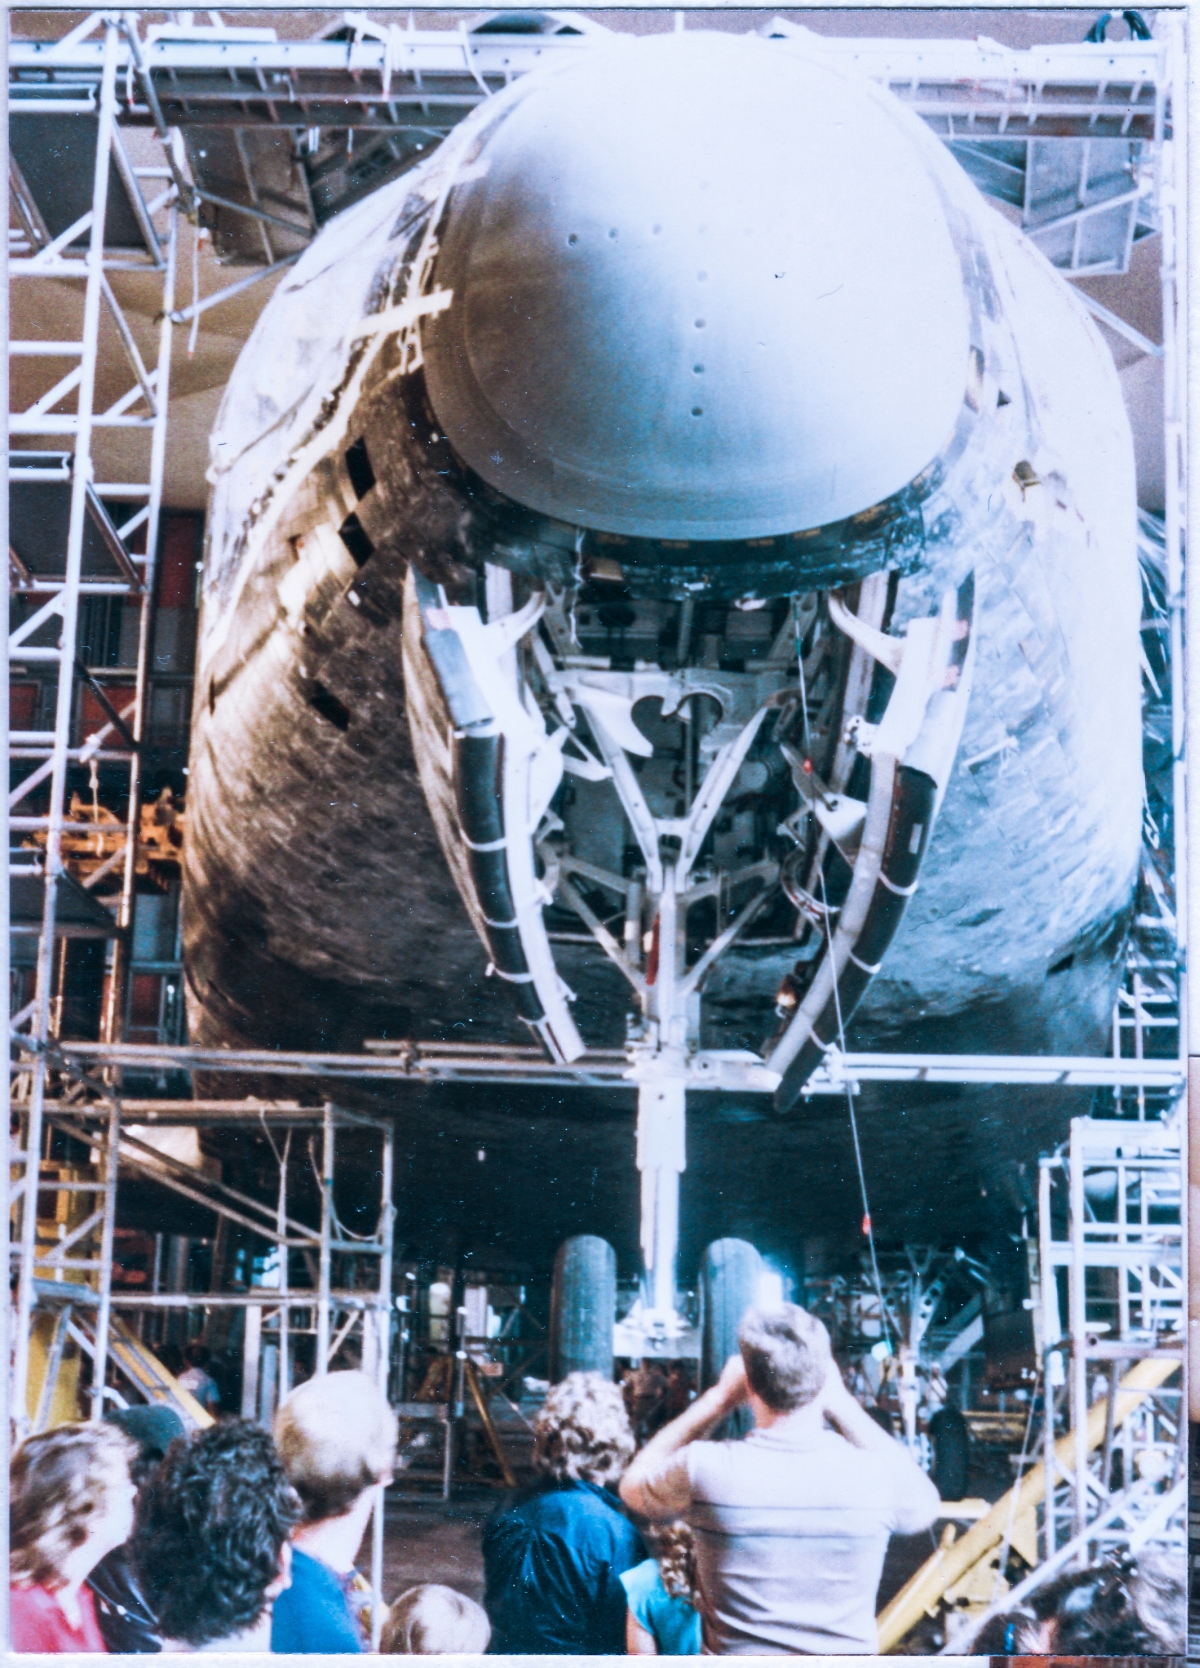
(335, 1219)
(868, 1226)
(262, 1118)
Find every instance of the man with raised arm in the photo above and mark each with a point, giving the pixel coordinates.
(791, 1523)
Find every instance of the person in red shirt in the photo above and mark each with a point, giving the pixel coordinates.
(71, 1502)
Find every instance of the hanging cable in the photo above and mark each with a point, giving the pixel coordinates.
(262, 1118)
(342, 1230)
(867, 1225)
(1006, 1543)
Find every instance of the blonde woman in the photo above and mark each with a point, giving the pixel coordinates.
(71, 1503)
(554, 1562)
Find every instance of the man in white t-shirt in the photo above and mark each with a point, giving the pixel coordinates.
(791, 1523)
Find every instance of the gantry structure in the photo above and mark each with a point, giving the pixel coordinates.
(263, 141)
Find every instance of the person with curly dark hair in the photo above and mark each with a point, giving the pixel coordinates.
(1120, 1607)
(210, 1545)
(554, 1561)
(70, 1503)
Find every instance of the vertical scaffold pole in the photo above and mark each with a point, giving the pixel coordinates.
(1078, 1306)
(104, 1309)
(6, 1340)
(1051, 1330)
(113, 1028)
(382, 1320)
(81, 476)
(283, 1378)
(325, 1255)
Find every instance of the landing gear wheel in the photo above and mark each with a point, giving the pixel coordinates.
(730, 1274)
(951, 1452)
(583, 1307)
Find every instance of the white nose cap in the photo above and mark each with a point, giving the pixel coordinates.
(704, 288)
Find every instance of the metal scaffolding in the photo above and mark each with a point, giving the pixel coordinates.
(109, 547)
(1112, 1293)
(711, 1070)
(1122, 1253)
(111, 536)
(277, 1313)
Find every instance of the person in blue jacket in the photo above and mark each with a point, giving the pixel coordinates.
(554, 1561)
(336, 1436)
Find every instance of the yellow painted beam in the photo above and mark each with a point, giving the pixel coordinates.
(64, 1401)
(948, 1565)
(147, 1371)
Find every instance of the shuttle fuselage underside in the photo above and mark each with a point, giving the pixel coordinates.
(637, 574)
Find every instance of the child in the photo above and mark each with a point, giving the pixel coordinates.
(431, 1620)
(662, 1619)
(336, 1436)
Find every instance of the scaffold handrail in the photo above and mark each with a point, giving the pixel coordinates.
(925, 63)
(708, 1069)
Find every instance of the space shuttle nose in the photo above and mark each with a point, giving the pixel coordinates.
(705, 287)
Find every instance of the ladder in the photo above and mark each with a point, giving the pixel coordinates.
(75, 1317)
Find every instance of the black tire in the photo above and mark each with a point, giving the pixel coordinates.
(583, 1307)
(951, 1452)
(730, 1273)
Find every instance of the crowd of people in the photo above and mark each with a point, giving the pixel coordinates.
(132, 1535)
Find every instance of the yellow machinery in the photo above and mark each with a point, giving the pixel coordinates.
(63, 1324)
(963, 1568)
(53, 1399)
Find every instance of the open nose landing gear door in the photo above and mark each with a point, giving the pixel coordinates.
(489, 771)
(912, 752)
